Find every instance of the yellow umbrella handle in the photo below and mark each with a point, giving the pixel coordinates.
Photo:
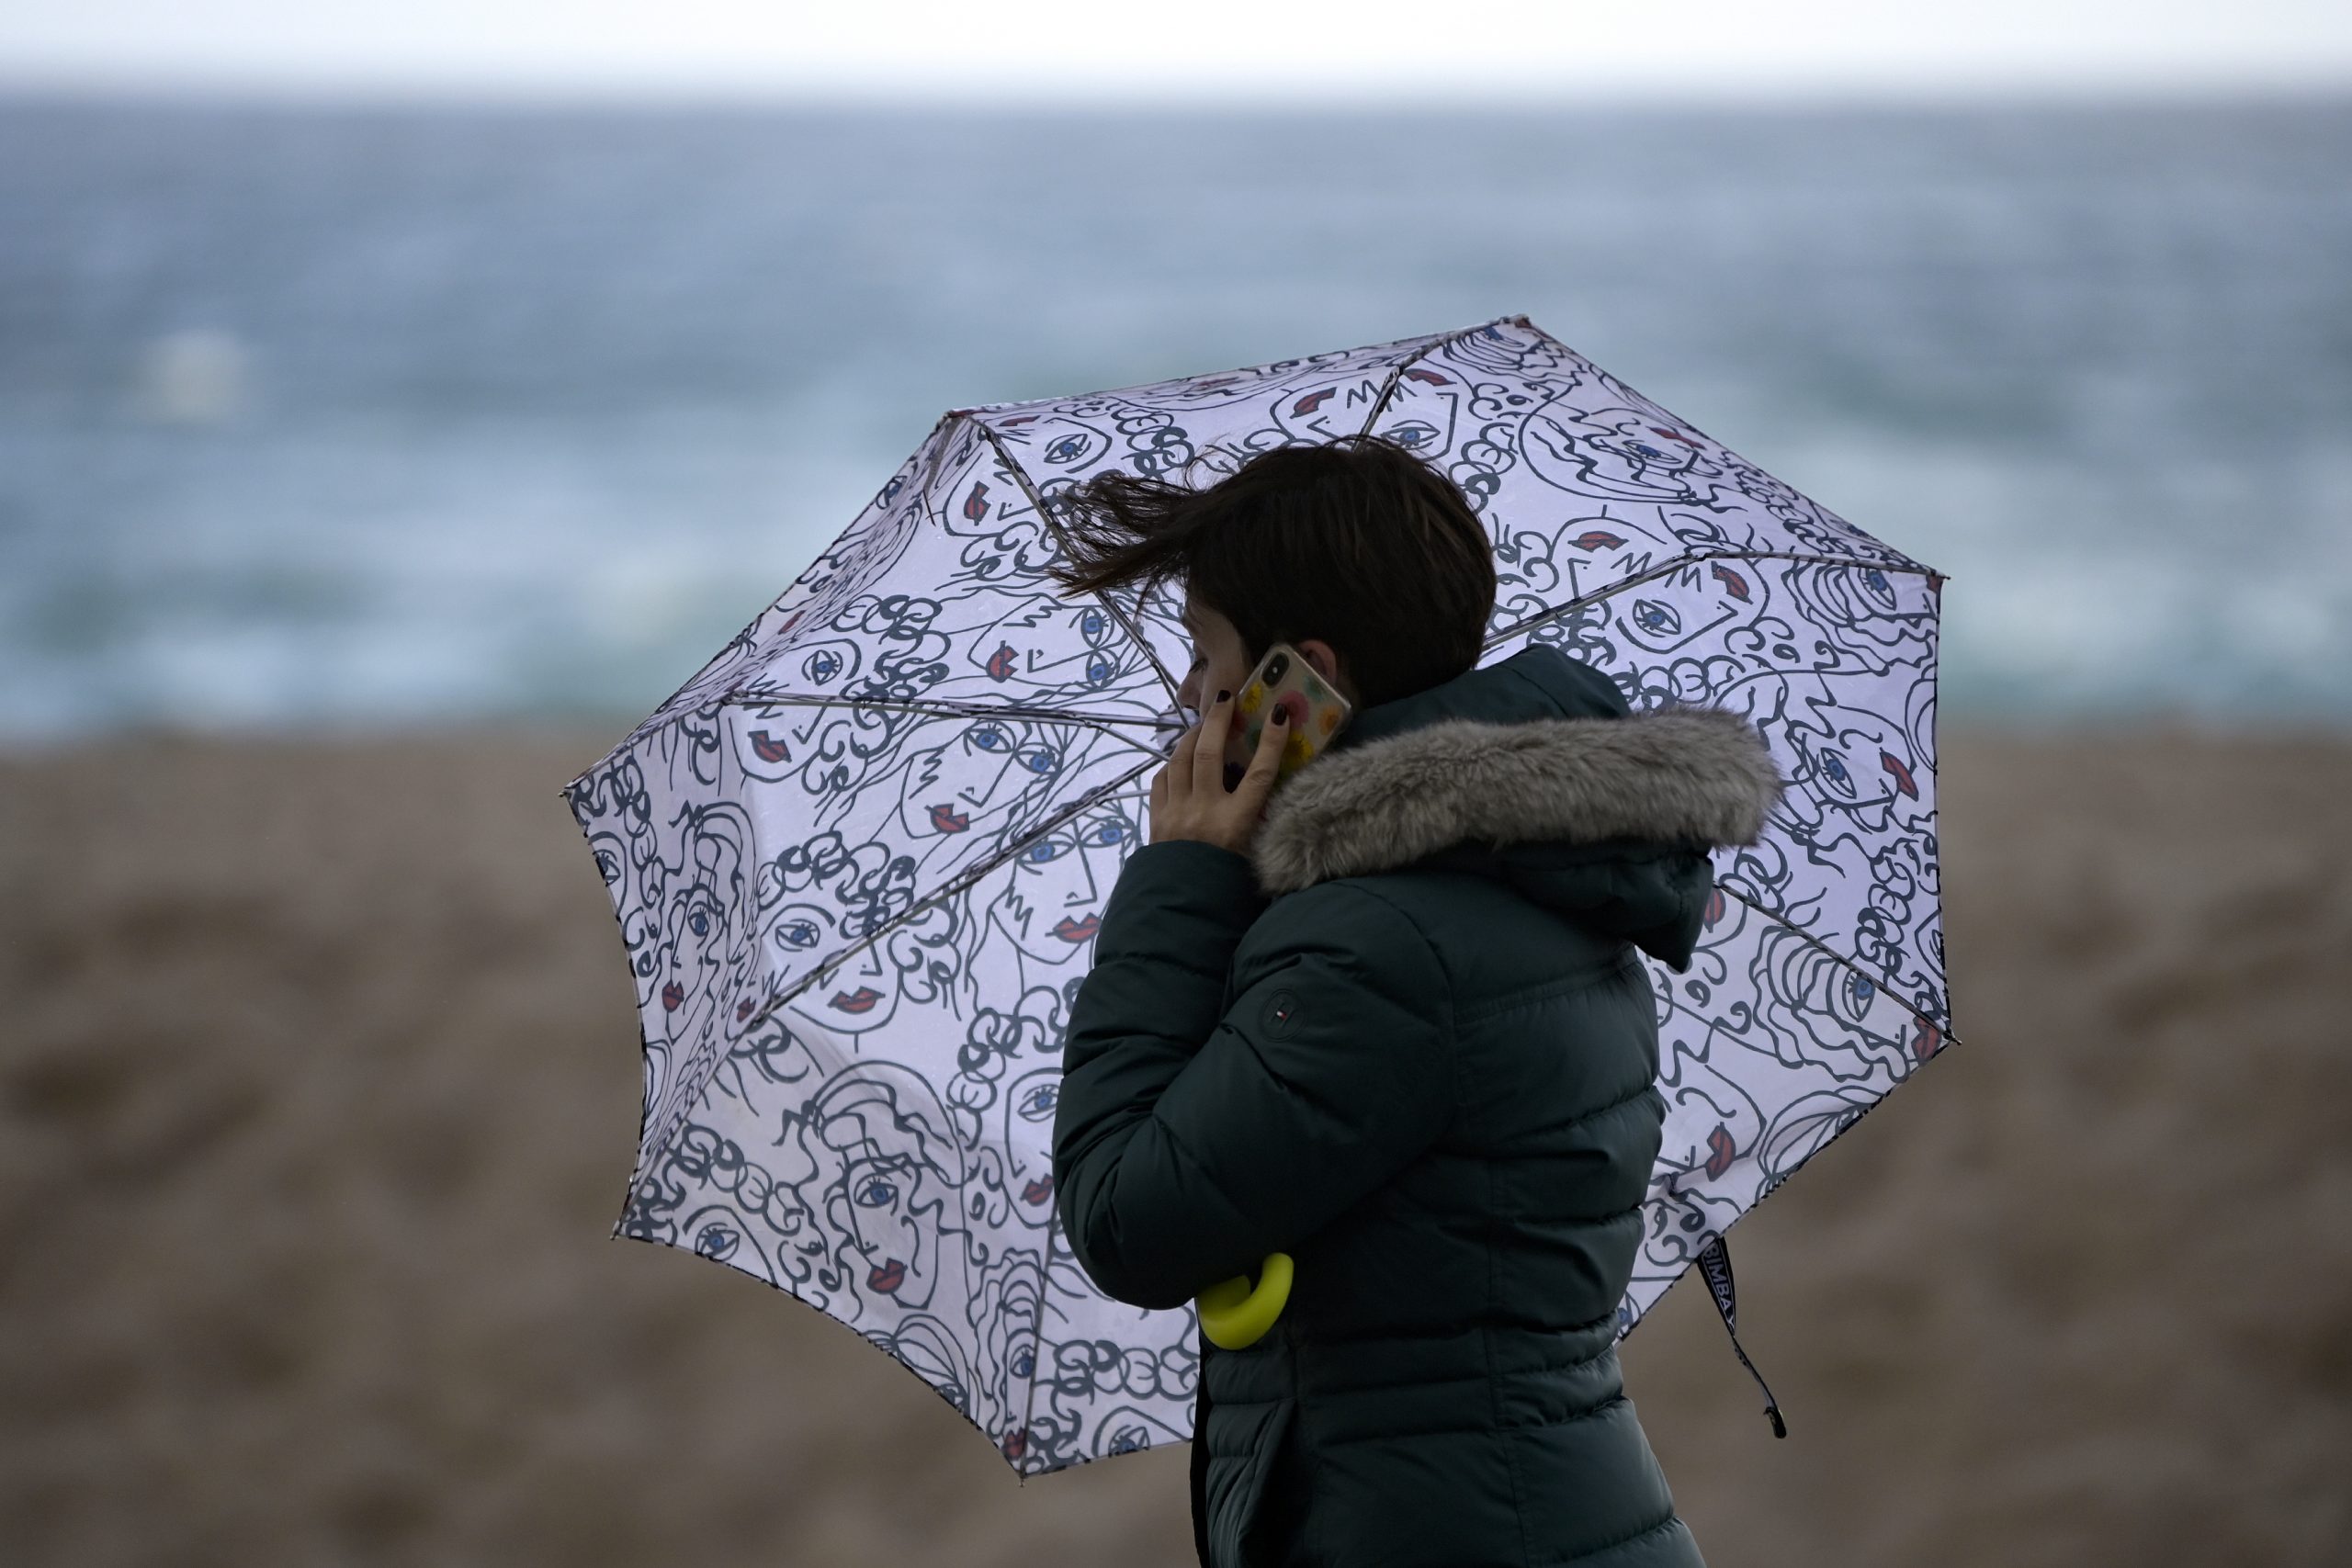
(1235, 1314)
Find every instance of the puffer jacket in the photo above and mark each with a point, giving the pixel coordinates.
(1407, 1039)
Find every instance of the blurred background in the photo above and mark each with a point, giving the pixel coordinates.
(396, 404)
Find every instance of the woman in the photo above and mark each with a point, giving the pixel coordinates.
(1388, 1018)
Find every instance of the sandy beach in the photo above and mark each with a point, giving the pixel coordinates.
(319, 1091)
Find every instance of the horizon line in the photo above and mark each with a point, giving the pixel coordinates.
(1044, 96)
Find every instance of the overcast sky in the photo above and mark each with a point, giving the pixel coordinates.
(971, 49)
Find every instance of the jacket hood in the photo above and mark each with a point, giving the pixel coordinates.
(1533, 770)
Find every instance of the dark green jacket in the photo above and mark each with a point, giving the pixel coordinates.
(1407, 1040)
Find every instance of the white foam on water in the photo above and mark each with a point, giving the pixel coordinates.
(429, 414)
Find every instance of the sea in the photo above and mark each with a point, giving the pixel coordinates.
(356, 416)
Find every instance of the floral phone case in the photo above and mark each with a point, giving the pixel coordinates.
(1282, 679)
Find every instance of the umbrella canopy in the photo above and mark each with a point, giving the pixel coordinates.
(857, 859)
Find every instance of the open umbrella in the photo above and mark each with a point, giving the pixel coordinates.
(857, 859)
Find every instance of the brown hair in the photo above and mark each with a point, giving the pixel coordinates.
(1356, 541)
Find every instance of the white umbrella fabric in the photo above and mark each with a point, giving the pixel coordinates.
(857, 859)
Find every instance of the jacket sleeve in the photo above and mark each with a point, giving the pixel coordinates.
(1191, 1141)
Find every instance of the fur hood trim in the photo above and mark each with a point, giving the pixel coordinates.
(1686, 775)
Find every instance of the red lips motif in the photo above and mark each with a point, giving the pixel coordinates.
(1597, 539)
(673, 996)
(767, 747)
(1714, 906)
(1734, 584)
(860, 1001)
(1925, 1041)
(975, 506)
(743, 1009)
(999, 664)
(1310, 403)
(948, 820)
(1672, 436)
(1076, 931)
(1903, 779)
(887, 1277)
(1421, 373)
(1719, 1150)
(1038, 1191)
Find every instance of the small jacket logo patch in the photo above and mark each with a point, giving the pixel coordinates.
(1280, 1008)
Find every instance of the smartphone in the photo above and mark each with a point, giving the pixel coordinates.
(1282, 679)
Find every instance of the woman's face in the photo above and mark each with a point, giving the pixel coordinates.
(1221, 662)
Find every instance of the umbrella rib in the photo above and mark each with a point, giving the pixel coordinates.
(1681, 562)
(1046, 515)
(686, 1095)
(1757, 1203)
(1028, 487)
(1102, 723)
(1836, 957)
(1948, 1039)
(1396, 371)
(963, 880)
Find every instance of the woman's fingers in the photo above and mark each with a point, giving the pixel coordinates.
(1266, 761)
(1208, 752)
(1181, 754)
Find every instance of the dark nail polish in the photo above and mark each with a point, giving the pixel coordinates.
(1222, 695)
(1281, 716)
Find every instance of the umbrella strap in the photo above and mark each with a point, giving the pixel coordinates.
(1715, 1262)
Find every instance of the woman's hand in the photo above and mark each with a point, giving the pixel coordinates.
(1188, 799)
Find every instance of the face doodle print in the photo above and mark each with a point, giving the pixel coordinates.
(858, 859)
